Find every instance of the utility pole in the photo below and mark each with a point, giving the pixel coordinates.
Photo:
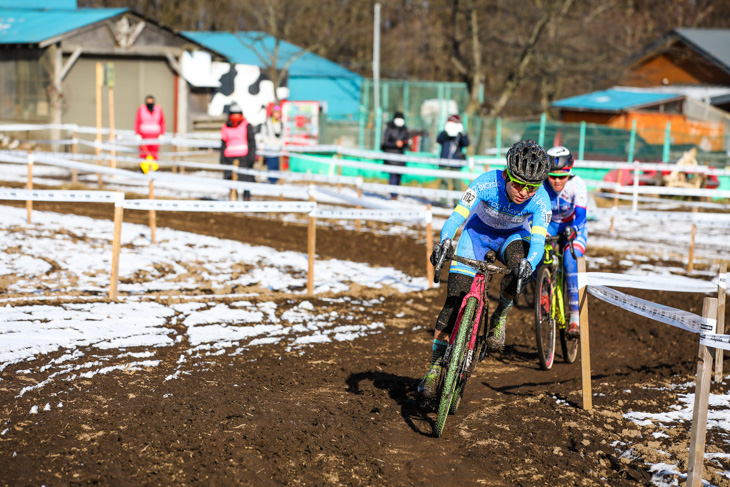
(376, 74)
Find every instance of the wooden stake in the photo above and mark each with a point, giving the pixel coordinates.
(702, 396)
(281, 195)
(153, 214)
(690, 262)
(74, 151)
(721, 291)
(29, 184)
(99, 84)
(116, 245)
(585, 347)
(357, 222)
(429, 247)
(111, 126)
(234, 177)
(311, 245)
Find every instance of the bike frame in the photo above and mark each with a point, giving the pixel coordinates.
(478, 290)
(554, 259)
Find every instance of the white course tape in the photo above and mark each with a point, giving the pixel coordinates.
(582, 280)
(413, 191)
(665, 314)
(382, 215)
(352, 200)
(715, 341)
(64, 196)
(222, 206)
(722, 281)
(702, 218)
(655, 283)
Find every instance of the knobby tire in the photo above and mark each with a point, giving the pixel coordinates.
(458, 354)
(544, 323)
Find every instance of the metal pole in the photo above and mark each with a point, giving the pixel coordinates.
(632, 141)
(498, 137)
(541, 136)
(667, 142)
(582, 141)
(376, 59)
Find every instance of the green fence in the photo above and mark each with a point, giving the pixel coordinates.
(427, 105)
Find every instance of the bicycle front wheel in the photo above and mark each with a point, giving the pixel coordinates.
(455, 368)
(569, 345)
(544, 322)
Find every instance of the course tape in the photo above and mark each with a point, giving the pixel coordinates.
(381, 215)
(352, 200)
(665, 314)
(212, 140)
(662, 201)
(704, 218)
(221, 206)
(64, 196)
(714, 340)
(413, 191)
(655, 283)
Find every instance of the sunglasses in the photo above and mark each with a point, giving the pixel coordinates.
(521, 185)
(558, 176)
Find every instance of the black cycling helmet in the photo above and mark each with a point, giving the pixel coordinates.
(527, 161)
(560, 158)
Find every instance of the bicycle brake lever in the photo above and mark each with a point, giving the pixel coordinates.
(572, 250)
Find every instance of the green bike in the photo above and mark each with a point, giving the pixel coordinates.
(551, 312)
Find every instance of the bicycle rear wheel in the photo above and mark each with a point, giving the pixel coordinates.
(450, 391)
(544, 322)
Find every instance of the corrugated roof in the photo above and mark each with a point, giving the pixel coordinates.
(713, 42)
(21, 26)
(241, 48)
(613, 100)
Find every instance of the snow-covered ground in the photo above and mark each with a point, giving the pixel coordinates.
(78, 337)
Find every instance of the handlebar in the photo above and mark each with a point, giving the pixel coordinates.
(569, 235)
(482, 266)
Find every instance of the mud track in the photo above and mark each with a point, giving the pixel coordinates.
(347, 412)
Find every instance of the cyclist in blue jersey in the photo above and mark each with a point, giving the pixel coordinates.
(569, 199)
(496, 207)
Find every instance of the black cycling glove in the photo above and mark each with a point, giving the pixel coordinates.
(522, 270)
(438, 251)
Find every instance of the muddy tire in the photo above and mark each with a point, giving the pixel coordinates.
(449, 392)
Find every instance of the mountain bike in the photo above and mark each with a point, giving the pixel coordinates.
(551, 311)
(468, 342)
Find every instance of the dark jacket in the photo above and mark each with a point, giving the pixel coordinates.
(392, 135)
(452, 147)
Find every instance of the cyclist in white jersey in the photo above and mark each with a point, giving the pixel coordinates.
(497, 208)
(568, 199)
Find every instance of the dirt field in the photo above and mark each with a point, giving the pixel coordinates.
(347, 413)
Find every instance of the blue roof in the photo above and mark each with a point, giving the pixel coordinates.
(242, 48)
(39, 4)
(612, 100)
(24, 26)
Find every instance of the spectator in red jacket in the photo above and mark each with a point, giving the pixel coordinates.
(238, 142)
(149, 124)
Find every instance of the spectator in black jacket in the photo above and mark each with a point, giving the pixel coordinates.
(453, 140)
(395, 141)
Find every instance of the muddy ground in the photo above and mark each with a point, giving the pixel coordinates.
(347, 413)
